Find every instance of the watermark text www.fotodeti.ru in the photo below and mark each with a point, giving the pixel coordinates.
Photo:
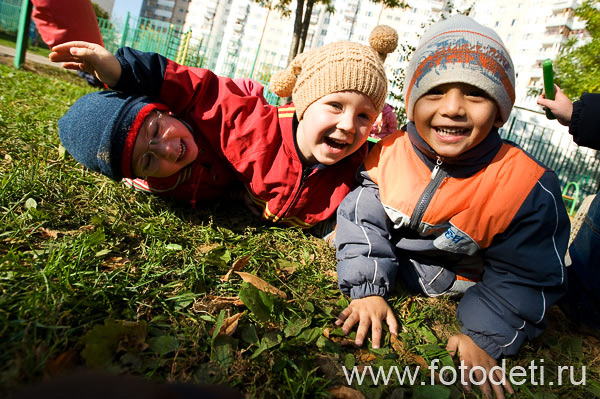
(534, 373)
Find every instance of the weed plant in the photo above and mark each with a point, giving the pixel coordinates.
(94, 274)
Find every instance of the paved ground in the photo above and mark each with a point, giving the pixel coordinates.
(9, 51)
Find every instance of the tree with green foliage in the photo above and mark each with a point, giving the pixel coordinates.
(100, 12)
(303, 13)
(578, 65)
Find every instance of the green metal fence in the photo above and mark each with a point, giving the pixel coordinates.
(557, 150)
(186, 48)
(9, 15)
(553, 148)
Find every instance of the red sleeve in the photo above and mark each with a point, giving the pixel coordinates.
(60, 21)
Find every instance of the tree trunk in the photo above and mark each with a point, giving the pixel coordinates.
(297, 31)
(306, 24)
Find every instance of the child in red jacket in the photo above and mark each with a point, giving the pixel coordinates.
(193, 135)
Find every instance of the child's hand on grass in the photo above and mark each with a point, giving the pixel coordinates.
(88, 57)
(561, 106)
(471, 355)
(368, 311)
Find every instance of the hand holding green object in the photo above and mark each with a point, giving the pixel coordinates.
(548, 85)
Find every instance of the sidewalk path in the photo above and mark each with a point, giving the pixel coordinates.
(9, 51)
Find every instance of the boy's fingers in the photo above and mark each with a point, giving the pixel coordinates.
(376, 333)
(452, 345)
(344, 314)
(498, 391)
(363, 329)
(392, 323)
(350, 322)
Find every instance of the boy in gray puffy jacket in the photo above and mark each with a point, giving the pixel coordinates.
(455, 209)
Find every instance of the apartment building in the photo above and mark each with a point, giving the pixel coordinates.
(171, 11)
(259, 39)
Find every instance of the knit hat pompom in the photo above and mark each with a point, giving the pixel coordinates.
(384, 40)
(283, 82)
(99, 130)
(335, 67)
(460, 50)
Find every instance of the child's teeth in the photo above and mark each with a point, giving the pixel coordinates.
(451, 131)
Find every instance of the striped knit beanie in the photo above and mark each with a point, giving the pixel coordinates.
(338, 67)
(460, 50)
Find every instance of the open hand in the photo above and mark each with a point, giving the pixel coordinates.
(473, 356)
(368, 312)
(88, 57)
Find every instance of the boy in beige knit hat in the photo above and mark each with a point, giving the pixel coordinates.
(191, 135)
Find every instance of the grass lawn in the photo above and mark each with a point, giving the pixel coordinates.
(93, 274)
(10, 41)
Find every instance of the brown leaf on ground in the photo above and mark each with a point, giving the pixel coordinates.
(65, 361)
(229, 324)
(342, 392)
(364, 356)
(48, 234)
(214, 304)
(237, 266)
(114, 262)
(343, 341)
(261, 284)
(330, 366)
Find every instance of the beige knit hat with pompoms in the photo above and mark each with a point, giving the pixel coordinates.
(338, 67)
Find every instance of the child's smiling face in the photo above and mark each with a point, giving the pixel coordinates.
(334, 127)
(164, 145)
(454, 117)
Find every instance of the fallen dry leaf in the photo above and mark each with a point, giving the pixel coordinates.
(47, 233)
(63, 362)
(261, 284)
(114, 262)
(364, 356)
(343, 392)
(237, 266)
(229, 324)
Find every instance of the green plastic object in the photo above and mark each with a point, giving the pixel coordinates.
(548, 84)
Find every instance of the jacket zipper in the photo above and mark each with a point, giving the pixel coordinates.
(437, 177)
(305, 173)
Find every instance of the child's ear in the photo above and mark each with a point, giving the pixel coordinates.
(498, 121)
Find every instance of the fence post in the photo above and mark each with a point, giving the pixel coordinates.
(23, 33)
(125, 31)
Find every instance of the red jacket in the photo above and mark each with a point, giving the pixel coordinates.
(240, 139)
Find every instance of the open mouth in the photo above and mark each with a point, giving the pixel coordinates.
(182, 150)
(337, 144)
(446, 131)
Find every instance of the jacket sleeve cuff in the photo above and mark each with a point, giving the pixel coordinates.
(367, 289)
(484, 343)
(575, 119)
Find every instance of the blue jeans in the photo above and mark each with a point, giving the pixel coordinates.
(582, 301)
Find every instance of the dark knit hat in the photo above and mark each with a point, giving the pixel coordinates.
(460, 50)
(100, 129)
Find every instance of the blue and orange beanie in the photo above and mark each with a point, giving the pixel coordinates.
(100, 129)
(460, 50)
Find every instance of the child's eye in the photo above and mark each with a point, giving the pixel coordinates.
(366, 117)
(434, 92)
(477, 93)
(336, 105)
